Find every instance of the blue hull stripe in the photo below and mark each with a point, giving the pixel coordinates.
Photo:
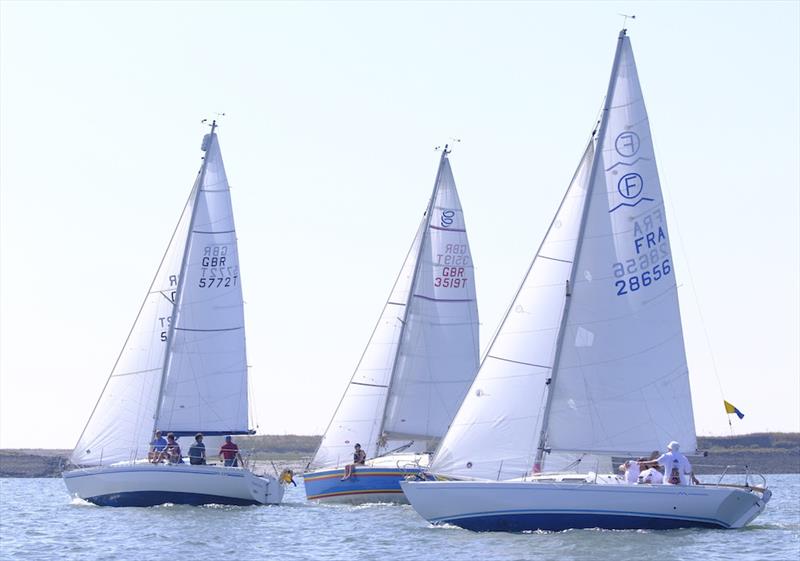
(555, 520)
(362, 482)
(153, 498)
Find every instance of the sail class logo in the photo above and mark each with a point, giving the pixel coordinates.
(627, 144)
(446, 219)
(630, 185)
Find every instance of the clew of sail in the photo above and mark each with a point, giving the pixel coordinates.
(493, 435)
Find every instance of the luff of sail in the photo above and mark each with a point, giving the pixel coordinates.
(423, 352)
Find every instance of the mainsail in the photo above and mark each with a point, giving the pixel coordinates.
(589, 361)
(423, 353)
(183, 367)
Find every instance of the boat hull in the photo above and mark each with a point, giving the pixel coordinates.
(366, 485)
(151, 485)
(525, 506)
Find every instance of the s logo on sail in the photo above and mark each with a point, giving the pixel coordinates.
(447, 217)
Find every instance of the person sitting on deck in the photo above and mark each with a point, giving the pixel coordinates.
(229, 453)
(197, 451)
(631, 469)
(651, 476)
(359, 457)
(156, 448)
(173, 450)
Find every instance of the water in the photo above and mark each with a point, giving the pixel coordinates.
(38, 521)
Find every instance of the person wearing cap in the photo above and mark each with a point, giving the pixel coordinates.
(197, 451)
(677, 469)
(359, 457)
(229, 453)
(157, 446)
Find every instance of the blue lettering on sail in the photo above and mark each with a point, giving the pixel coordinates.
(447, 218)
(627, 144)
(630, 185)
(651, 259)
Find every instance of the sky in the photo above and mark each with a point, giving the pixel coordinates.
(332, 114)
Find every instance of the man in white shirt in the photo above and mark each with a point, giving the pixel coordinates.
(677, 469)
(631, 469)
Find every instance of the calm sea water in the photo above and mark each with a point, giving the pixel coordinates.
(39, 521)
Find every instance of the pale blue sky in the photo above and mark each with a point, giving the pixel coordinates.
(333, 113)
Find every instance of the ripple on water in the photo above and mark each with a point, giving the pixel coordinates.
(39, 521)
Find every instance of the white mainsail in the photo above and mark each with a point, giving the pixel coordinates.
(589, 360)
(622, 379)
(196, 362)
(423, 353)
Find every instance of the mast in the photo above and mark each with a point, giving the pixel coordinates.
(412, 287)
(571, 281)
(181, 280)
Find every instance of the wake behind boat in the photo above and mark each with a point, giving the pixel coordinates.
(588, 364)
(419, 362)
(183, 370)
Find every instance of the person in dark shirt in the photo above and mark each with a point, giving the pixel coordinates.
(359, 457)
(173, 450)
(197, 451)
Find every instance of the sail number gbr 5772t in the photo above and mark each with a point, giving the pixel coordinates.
(216, 269)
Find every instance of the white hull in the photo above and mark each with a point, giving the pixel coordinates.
(537, 505)
(146, 484)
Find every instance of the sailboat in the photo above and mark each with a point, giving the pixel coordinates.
(419, 362)
(182, 370)
(587, 364)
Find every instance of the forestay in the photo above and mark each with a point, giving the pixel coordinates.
(423, 353)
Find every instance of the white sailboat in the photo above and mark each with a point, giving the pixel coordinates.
(416, 368)
(588, 363)
(183, 369)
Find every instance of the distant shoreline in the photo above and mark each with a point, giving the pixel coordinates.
(762, 452)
